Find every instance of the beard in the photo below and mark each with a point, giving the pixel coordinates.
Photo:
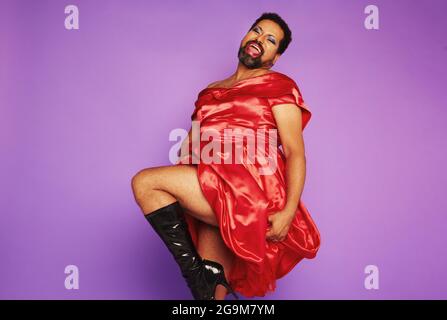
(250, 62)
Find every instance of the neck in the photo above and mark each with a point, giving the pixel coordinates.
(242, 72)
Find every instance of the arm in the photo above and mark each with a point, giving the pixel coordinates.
(185, 142)
(289, 123)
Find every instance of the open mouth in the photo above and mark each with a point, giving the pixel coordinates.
(254, 49)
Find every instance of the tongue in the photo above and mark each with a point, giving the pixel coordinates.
(252, 51)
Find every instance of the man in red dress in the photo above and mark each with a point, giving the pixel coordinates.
(228, 226)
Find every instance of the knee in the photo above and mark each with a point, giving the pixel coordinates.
(140, 184)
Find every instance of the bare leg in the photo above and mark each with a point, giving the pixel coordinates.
(157, 187)
(211, 246)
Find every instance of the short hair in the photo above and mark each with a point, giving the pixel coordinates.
(284, 43)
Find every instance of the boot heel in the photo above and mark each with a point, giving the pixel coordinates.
(224, 282)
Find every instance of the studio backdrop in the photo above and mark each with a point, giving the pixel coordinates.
(91, 90)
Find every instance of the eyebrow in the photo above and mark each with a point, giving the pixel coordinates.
(263, 31)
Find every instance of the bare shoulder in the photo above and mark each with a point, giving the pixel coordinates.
(214, 84)
(219, 83)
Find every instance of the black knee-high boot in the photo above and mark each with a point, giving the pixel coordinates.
(201, 275)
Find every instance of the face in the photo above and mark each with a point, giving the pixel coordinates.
(266, 36)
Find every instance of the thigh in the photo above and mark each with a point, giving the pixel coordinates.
(182, 183)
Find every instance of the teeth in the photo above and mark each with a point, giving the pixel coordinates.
(256, 47)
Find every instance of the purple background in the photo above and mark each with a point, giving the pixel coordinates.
(84, 110)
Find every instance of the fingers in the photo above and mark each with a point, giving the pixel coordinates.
(274, 237)
(271, 237)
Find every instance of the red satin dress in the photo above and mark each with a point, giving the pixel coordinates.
(240, 196)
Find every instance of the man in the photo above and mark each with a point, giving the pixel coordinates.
(220, 213)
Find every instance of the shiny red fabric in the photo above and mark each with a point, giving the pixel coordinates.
(240, 196)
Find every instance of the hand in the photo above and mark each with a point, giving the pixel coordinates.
(280, 224)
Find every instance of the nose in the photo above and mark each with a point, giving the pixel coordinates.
(260, 39)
